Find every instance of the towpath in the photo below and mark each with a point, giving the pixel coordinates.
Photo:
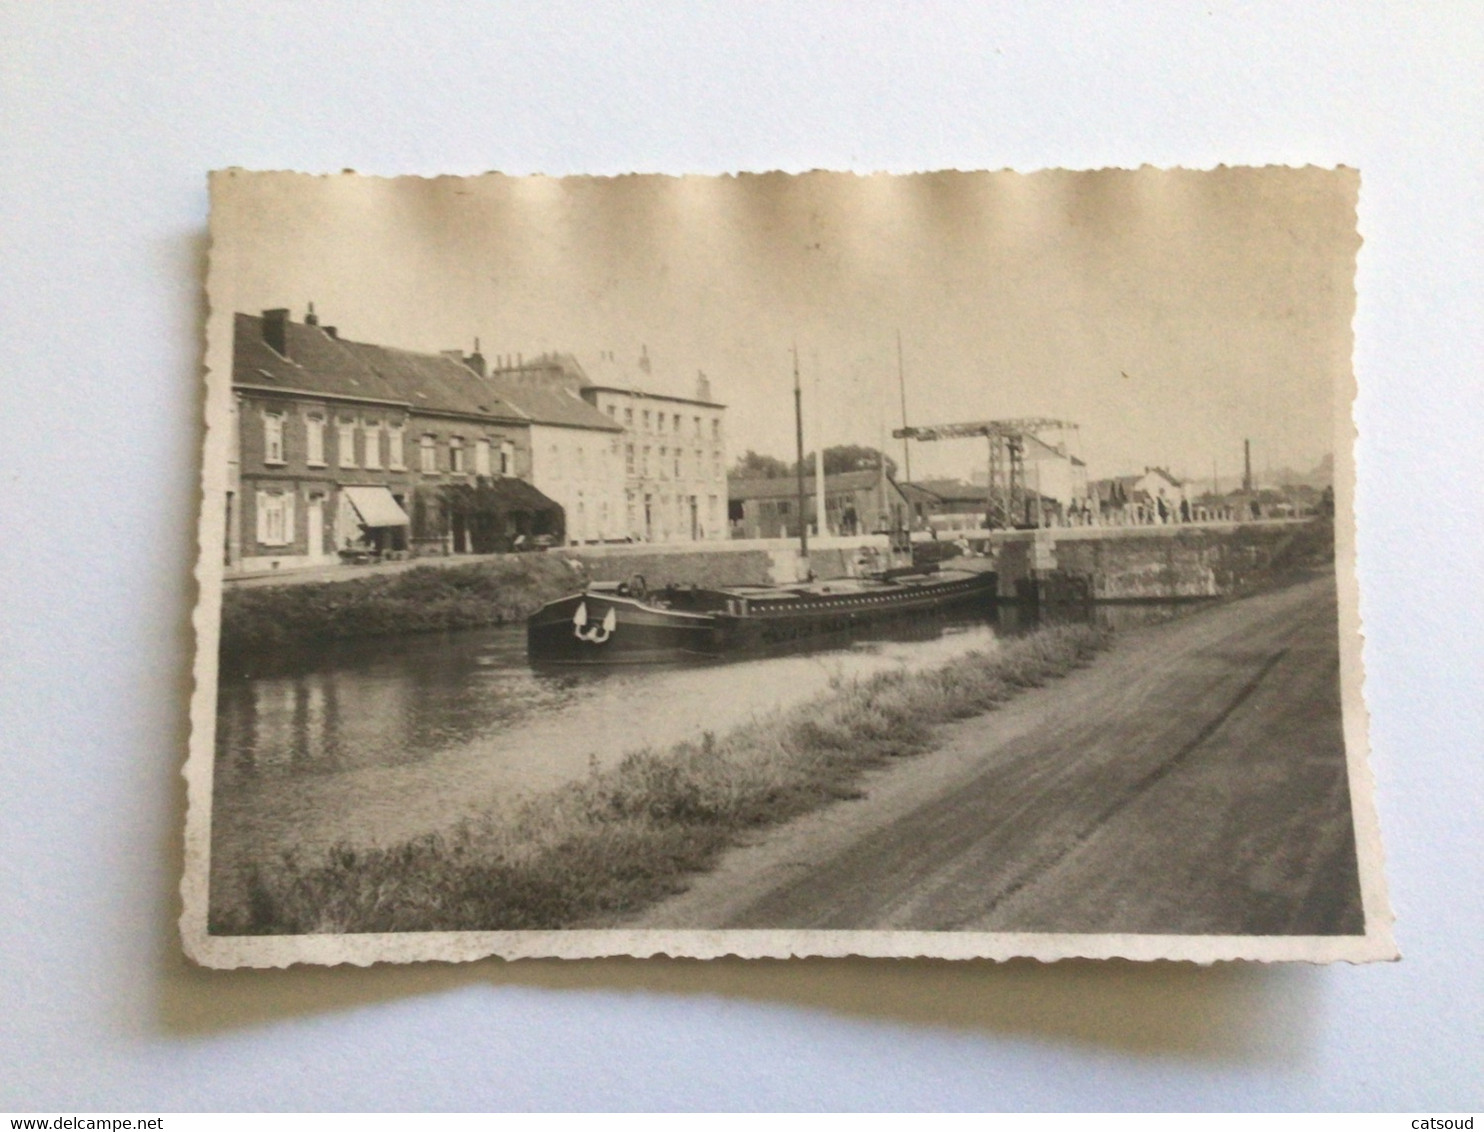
(1191, 780)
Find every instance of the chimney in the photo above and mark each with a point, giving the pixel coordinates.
(311, 319)
(475, 361)
(1247, 465)
(703, 386)
(275, 329)
(644, 359)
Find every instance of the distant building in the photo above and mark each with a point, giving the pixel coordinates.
(863, 502)
(1054, 475)
(946, 504)
(668, 476)
(1154, 496)
(344, 447)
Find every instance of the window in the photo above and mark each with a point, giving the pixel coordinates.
(613, 411)
(628, 418)
(346, 452)
(664, 458)
(659, 422)
(628, 459)
(646, 420)
(698, 428)
(677, 463)
(715, 428)
(644, 468)
(677, 424)
(716, 465)
(272, 438)
(427, 454)
(456, 454)
(482, 457)
(394, 453)
(700, 464)
(507, 457)
(373, 444)
(275, 518)
(314, 434)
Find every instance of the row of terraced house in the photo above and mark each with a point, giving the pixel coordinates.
(345, 449)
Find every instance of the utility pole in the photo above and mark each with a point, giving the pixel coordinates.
(821, 517)
(902, 386)
(799, 446)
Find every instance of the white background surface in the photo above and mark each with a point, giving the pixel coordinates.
(110, 116)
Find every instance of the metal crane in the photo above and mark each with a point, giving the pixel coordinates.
(1005, 494)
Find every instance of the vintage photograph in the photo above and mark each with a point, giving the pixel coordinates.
(950, 564)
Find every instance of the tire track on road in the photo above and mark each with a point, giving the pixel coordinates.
(1036, 870)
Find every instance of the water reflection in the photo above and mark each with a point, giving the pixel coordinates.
(383, 740)
(386, 702)
(1014, 618)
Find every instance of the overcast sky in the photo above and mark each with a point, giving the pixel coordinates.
(1170, 314)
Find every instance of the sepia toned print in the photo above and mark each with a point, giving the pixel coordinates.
(950, 564)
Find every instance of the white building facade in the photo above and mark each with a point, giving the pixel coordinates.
(674, 468)
(581, 467)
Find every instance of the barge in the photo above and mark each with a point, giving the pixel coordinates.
(626, 623)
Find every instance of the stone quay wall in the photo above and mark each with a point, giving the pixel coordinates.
(1155, 563)
(740, 562)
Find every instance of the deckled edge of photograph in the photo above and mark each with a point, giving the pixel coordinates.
(224, 952)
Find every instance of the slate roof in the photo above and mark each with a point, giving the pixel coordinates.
(954, 491)
(1037, 449)
(549, 403)
(316, 363)
(320, 363)
(434, 382)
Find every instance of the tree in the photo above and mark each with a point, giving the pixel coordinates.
(756, 466)
(840, 458)
(837, 458)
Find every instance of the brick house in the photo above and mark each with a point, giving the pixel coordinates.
(348, 447)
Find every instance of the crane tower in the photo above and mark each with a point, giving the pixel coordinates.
(1006, 493)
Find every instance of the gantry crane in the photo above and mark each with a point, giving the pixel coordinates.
(1005, 494)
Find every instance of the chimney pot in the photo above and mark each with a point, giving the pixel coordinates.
(311, 319)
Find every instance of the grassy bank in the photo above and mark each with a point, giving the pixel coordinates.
(426, 598)
(625, 837)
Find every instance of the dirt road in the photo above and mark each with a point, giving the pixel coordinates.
(1192, 780)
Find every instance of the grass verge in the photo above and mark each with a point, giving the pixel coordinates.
(622, 838)
(259, 621)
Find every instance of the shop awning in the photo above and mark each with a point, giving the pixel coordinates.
(376, 507)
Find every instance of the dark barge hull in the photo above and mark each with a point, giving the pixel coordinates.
(603, 626)
(572, 630)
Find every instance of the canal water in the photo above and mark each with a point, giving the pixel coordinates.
(377, 741)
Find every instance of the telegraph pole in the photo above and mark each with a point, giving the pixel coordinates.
(799, 446)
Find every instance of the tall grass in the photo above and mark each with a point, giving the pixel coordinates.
(624, 837)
